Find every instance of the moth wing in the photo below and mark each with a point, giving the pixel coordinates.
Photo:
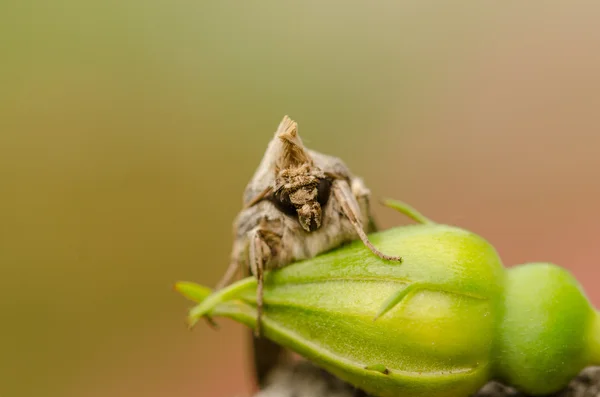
(264, 176)
(330, 164)
(360, 192)
(286, 145)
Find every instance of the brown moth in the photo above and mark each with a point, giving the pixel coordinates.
(298, 204)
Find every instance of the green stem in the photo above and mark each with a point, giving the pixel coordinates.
(407, 210)
(594, 338)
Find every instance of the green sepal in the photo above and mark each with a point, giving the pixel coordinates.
(407, 210)
(207, 305)
(192, 291)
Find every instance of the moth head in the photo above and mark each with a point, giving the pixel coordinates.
(303, 192)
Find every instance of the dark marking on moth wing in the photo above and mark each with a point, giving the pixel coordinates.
(282, 201)
(324, 191)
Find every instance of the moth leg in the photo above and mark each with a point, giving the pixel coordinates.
(229, 274)
(264, 252)
(344, 196)
(259, 256)
(361, 192)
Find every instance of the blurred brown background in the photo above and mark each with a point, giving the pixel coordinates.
(128, 130)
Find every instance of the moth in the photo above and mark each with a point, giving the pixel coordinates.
(298, 204)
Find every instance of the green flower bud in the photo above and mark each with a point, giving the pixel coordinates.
(443, 322)
(547, 330)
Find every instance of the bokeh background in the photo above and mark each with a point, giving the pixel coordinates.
(128, 130)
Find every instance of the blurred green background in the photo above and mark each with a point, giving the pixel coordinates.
(128, 130)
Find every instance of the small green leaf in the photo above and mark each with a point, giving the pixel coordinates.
(192, 291)
(407, 210)
(230, 293)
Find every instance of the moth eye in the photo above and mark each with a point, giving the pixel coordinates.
(283, 203)
(323, 191)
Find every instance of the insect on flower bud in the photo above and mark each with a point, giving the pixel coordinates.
(443, 322)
